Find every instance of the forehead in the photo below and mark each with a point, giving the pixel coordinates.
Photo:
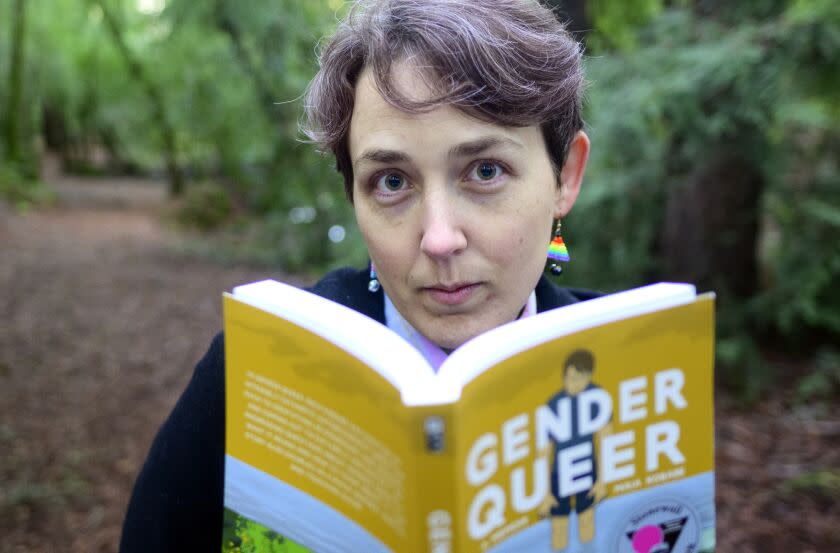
(375, 123)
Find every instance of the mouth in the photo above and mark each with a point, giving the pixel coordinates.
(452, 294)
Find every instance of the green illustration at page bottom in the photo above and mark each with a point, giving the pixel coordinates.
(243, 535)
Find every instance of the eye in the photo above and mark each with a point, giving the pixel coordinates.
(486, 171)
(390, 182)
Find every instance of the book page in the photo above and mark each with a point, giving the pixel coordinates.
(612, 454)
(314, 440)
(489, 349)
(351, 331)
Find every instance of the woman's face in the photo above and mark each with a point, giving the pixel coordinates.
(456, 212)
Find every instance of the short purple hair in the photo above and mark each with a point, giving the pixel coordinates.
(509, 62)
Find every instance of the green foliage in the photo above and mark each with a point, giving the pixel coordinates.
(231, 75)
(662, 104)
(824, 383)
(297, 239)
(616, 23)
(23, 489)
(242, 535)
(654, 115)
(206, 206)
(22, 190)
(805, 295)
(824, 484)
(739, 362)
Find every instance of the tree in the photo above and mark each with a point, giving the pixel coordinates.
(711, 131)
(153, 94)
(15, 81)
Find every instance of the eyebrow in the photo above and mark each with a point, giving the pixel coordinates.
(480, 145)
(383, 156)
(465, 149)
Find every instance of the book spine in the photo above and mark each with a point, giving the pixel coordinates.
(435, 479)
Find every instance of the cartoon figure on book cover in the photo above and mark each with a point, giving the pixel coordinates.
(574, 466)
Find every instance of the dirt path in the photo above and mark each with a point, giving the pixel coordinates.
(102, 324)
(101, 327)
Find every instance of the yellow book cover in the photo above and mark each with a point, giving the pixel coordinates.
(588, 428)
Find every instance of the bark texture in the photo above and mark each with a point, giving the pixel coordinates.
(710, 231)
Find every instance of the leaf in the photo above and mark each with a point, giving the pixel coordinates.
(822, 211)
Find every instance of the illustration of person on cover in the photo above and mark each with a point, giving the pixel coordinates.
(577, 378)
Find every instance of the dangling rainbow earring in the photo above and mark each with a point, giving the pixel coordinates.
(373, 283)
(557, 251)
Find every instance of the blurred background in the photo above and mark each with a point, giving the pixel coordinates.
(150, 159)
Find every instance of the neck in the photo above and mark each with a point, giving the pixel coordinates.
(434, 353)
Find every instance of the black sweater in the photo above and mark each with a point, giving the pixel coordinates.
(177, 500)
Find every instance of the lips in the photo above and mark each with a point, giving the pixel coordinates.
(452, 294)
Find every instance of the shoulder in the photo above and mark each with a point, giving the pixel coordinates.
(180, 484)
(346, 286)
(349, 287)
(551, 296)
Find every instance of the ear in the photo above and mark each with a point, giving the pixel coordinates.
(571, 176)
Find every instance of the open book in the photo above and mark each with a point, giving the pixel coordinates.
(586, 428)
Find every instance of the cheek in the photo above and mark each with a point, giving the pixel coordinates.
(387, 246)
(521, 247)
(524, 241)
(371, 231)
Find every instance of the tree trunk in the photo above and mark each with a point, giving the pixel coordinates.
(13, 114)
(54, 129)
(710, 233)
(176, 177)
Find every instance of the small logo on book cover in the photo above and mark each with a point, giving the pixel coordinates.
(667, 526)
(435, 429)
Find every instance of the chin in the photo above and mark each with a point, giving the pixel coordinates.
(455, 338)
(451, 344)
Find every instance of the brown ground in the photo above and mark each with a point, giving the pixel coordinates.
(102, 321)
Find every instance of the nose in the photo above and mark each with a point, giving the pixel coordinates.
(443, 231)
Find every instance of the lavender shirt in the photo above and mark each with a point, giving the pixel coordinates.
(431, 351)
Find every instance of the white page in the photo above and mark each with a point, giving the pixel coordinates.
(492, 347)
(406, 369)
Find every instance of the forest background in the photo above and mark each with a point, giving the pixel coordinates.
(715, 129)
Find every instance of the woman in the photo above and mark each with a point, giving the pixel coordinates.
(456, 126)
